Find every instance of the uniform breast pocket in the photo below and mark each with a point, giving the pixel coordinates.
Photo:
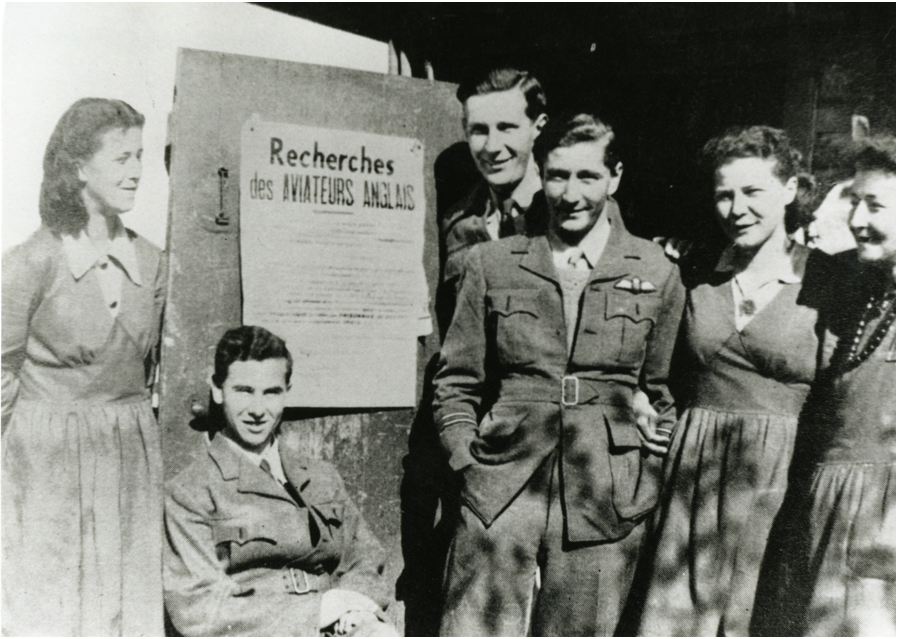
(629, 318)
(514, 315)
(242, 544)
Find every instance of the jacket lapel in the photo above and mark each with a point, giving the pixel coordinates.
(235, 466)
(537, 258)
(620, 250)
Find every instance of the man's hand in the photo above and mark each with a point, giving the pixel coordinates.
(347, 624)
(653, 440)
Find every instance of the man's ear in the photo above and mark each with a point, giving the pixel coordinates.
(217, 396)
(615, 179)
(81, 175)
(541, 122)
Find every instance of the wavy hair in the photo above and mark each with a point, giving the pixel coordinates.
(504, 79)
(248, 343)
(875, 153)
(574, 128)
(766, 142)
(77, 136)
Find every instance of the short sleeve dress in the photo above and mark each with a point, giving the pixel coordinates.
(726, 472)
(830, 569)
(81, 463)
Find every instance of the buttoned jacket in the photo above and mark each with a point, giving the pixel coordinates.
(234, 534)
(508, 392)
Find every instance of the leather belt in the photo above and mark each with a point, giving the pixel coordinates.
(293, 581)
(570, 390)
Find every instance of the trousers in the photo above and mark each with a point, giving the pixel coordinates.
(521, 575)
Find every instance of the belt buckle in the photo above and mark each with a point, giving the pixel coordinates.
(293, 580)
(564, 390)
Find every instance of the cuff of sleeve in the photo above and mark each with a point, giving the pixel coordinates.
(336, 603)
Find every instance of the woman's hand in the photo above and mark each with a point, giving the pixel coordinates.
(674, 248)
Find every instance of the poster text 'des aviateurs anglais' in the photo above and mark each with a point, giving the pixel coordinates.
(331, 241)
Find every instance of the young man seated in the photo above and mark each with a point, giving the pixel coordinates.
(261, 540)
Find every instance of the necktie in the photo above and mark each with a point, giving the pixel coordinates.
(507, 225)
(314, 531)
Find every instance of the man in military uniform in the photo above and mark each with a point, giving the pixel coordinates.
(552, 336)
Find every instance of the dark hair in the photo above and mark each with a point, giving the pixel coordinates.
(75, 139)
(505, 79)
(248, 343)
(876, 153)
(573, 129)
(766, 142)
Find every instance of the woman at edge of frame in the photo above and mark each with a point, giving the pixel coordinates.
(82, 463)
(830, 565)
(746, 359)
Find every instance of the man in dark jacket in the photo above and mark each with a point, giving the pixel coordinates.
(533, 400)
(263, 541)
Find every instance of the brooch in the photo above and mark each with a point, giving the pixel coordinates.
(636, 285)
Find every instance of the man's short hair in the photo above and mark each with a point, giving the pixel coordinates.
(248, 343)
(505, 79)
(574, 129)
(876, 153)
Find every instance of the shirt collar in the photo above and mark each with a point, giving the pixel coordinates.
(522, 196)
(271, 453)
(592, 244)
(82, 254)
(787, 272)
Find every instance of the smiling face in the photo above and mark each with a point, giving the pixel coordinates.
(577, 184)
(111, 175)
(873, 217)
(501, 136)
(751, 200)
(252, 398)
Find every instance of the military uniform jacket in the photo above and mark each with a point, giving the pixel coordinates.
(507, 391)
(240, 550)
(464, 226)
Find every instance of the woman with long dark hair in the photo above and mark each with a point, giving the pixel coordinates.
(82, 464)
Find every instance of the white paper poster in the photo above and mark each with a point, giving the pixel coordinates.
(331, 242)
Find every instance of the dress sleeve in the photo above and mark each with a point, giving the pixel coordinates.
(23, 286)
(203, 601)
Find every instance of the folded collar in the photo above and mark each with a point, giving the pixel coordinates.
(82, 254)
(790, 272)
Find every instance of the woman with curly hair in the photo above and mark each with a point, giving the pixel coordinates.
(745, 361)
(82, 464)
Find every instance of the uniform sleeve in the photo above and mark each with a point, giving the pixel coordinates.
(203, 601)
(362, 557)
(461, 373)
(23, 284)
(659, 350)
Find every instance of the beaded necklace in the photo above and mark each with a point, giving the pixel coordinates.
(856, 355)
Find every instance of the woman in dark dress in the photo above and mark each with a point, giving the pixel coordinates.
(746, 360)
(830, 569)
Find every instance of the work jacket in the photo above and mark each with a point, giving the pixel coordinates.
(508, 392)
(244, 558)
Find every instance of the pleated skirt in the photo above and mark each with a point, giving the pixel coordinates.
(82, 520)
